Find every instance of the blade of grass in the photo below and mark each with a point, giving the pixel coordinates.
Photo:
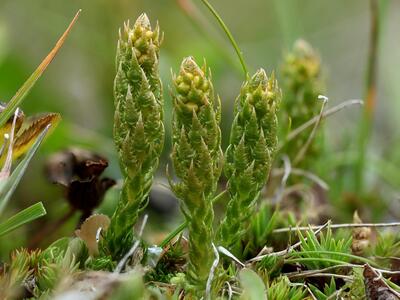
(25, 216)
(313, 260)
(27, 86)
(8, 186)
(377, 9)
(346, 255)
(173, 234)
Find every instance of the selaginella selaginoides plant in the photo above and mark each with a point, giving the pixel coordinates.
(196, 157)
(303, 84)
(249, 156)
(138, 127)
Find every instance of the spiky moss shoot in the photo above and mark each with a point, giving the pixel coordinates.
(138, 127)
(303, 84)
(248, 158)
(197, 160)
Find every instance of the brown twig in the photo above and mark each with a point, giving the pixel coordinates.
(336, 226)
(300, 156)
(300, 172)
(49, 229)
(312, 272)
(288, 249)
(293, 134)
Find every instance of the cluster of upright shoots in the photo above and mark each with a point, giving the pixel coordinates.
(197, 157)
(198, 162)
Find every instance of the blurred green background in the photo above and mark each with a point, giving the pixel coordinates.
(78, 84)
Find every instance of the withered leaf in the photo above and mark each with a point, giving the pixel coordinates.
(86, 195)
(28, 136)
(89, 231)
(74, 164)
(79, 170)
(91, 168)
(7, 126)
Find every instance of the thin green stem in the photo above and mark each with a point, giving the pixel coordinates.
(202, 24)
(229, 35)
(219, 196)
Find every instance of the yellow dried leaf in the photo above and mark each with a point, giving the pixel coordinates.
(28, 136)
(89, 232)
(6, 128)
